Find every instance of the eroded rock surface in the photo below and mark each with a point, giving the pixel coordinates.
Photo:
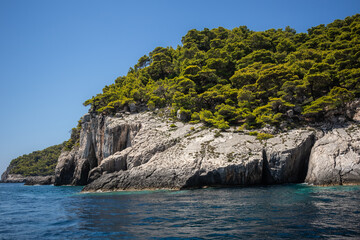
(144, 151)
(40, 180)
(335, 158)
(100, 137)
(187, 156)
(183, 157)
(286, 157)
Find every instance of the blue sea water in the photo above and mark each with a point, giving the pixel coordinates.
(270, 212)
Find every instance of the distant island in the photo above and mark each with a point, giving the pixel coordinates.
(40, 164)
(228, 107)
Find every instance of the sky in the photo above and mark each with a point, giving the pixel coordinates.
(55, 54)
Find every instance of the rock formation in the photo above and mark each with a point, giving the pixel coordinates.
(144, 151)
(335, 158)
(203, 158)
(39, 180)
(286, 157)
(100, 137)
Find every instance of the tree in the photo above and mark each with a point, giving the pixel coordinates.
(144, 61)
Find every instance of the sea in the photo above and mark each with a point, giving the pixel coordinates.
(296, 211)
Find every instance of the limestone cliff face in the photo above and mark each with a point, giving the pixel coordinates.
(286, 156)
(202, 158)
(143, 151)
(335, 158)
(180, 157)
(100, 137)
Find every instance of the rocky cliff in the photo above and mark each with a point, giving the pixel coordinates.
(100, 137)
(335, 157)
(145, 151)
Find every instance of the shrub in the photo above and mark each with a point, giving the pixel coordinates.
(254, 133)
(151, 105)
(195, 117)
(264, 136)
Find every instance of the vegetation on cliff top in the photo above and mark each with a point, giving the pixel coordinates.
(241, 77)
(37, 163)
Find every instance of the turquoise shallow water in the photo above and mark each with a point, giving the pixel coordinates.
(271, 212)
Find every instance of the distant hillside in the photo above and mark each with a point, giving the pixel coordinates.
(241, 77)
(37, 163)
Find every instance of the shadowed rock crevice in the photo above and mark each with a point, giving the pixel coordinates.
(266, 176)
(286, 161)
(93, 161)
(84, 167)
(200, 179)
(121, 138)
(232, 175)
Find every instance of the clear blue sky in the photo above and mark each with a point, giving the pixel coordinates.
(55, 54)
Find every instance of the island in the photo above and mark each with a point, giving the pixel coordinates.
(226, 108)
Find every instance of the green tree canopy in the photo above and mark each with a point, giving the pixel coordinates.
(230, 77)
